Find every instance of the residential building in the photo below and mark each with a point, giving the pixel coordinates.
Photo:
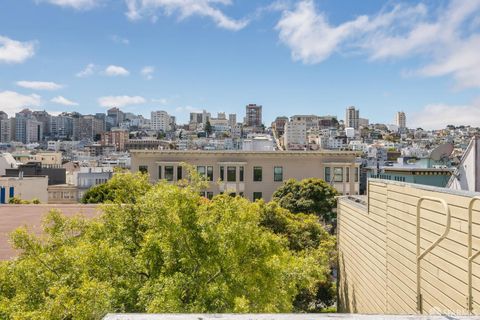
(87, 177)
(117, 138)
(232, 119)
(198, 119)
(406, 249)
(114, 117)
(352, 117)
(467, 174)
(54, 174)
(62, 194)
(259, 143)
(25, 188)
(401, 120)
(253, 116)
(87, 127)
(279, 124)
(160, 121)
(61, 127)
(295, 136)
(253, 175)
(45, 119)
(7, 130)
(27, 128)
(7, 162)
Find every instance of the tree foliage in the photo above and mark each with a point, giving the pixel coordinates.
(313, 196)
(163, 248)
(124, 187)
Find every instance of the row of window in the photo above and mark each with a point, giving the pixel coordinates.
(338, 174)
(231, 173)
(388, 177)
(209, 195)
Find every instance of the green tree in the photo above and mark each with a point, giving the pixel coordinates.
(124, 187)
(163, 248)
(312, 195)
(208, 128)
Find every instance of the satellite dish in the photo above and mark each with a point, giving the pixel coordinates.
(441, 152)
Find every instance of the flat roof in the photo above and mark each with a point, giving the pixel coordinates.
(229, 152)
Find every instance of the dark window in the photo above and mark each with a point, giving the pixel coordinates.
(231, 174)
(328, 177)
(356, 174)
(347, 174)
(179, 173)
(240, 194)
(169, 173)
(241, 173)
(202, 194)
(159, 172)
(232, 194)
(143, 169)
(201, 170)
(210, 173)
(338, 174)
(210, 195)
(257, 173)
(222, 178)
(257, 196)
(278, 174)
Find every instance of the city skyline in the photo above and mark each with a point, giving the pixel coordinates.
(317, 57)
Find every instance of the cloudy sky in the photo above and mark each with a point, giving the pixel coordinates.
(307, 56)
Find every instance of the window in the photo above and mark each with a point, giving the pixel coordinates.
(202, 194)
(169, 173)
(240, 194)
(338, 174)
(210, 173)
(159, 172)
(278, 174)
(201, 170)
(347, 174)
(232, 194)
(356, 174)
(143, 169)
(179, 173)
(241, 173)
(222, 178)
(257, 173)
(209, 195)
(257, 196)
(231, 174)
(328, 177)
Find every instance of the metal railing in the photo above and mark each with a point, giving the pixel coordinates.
(421, 255)
(471, 255)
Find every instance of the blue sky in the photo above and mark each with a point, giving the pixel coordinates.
(293, 57)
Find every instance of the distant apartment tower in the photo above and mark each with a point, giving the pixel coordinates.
(401, 120)
(87, 127)
(279, 124)
(7, 130)
(352, 117)
(61, 127)
(232, 119)
(253, 115)
(117, 137)
(44, 118)
(199, 118)
(160, 121)
(295, 137)
(114, 117)
(27, 128)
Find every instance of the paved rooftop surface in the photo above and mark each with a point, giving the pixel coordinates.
(14, 216)
(324, 316)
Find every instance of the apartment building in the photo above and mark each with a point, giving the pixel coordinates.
(352, 117)
(160, 121)
(409, 249)
(253, 116)
(117, 137)
(295, 137)
(253, 175)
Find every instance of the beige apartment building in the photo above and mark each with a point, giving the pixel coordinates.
(253, 175)
(409, 249)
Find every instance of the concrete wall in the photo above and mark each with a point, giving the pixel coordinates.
(298, 165)
(377, 251)
(27, 188)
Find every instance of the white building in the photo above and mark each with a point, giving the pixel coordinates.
(259, 143)
(25, 188)
(160, 121)
(295, 136)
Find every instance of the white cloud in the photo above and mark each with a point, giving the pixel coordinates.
(39, 85)
(120, 101)
(88, 71)
(64, 101)
(75, 4)
(438, 116)
(187, 109)
(12, 51)
(147, 72)
(161, 101)
(11, 101)
(117, 39)
(138, 9)
(444, 36)
(113, 71)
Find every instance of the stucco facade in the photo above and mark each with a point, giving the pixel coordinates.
(251, 174)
